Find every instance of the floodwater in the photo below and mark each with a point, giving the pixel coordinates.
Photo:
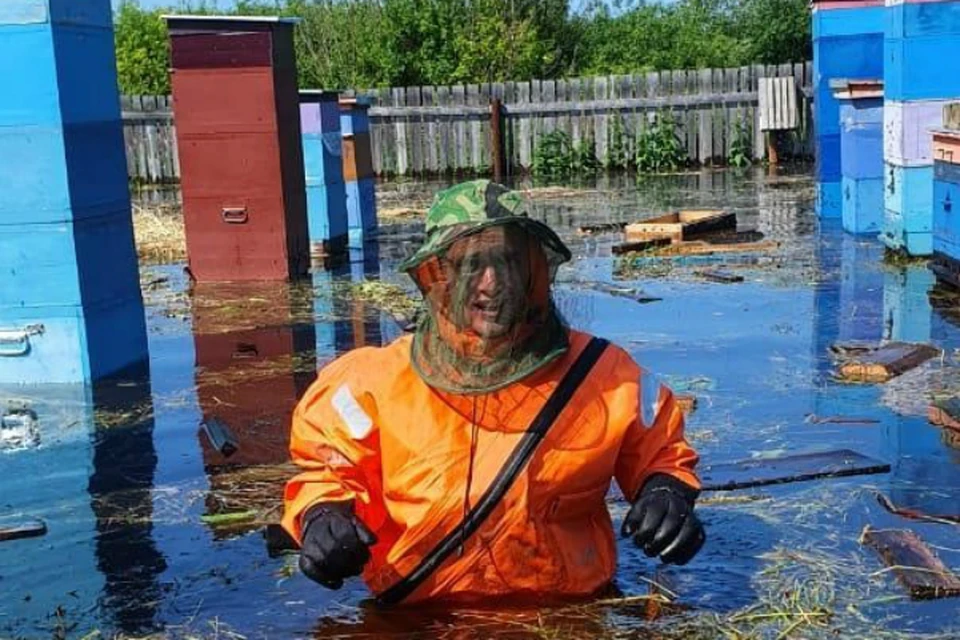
(127, 482)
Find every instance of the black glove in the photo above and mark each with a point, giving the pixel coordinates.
(662, 521)
(335, 544)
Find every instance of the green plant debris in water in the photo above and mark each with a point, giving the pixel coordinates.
(226, 519)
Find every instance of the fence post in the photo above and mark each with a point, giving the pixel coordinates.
(496, 139)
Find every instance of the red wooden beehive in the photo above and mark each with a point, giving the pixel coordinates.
(237, 113)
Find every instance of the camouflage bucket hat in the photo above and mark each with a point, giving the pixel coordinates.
(471, 207)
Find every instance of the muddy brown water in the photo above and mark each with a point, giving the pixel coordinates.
(131, 489)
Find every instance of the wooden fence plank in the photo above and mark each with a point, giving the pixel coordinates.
(526, 135)
(602, 92)
(705, 85)
(459, 98)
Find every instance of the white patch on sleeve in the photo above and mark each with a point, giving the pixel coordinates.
(352, 414)
(649, 400)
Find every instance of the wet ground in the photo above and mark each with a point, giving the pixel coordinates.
(151, 530)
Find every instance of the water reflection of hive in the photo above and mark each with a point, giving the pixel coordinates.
(252, 366)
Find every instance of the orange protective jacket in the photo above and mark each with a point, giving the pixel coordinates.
(413, 460)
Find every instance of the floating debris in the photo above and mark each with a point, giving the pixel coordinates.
(721, 276)
(220, 437)
(886, 362)
(815, 419)
(20, 531)
(603, 227)
(630, 293)
(682, 226)
(19, 429)
(782, 470)
(913, 514)
(916, 566)
(226, 519)
(945, 413)
(687, 403)
(638, 246)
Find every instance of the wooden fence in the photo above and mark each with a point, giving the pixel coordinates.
(429, 130)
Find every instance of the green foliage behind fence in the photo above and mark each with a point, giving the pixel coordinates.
(377, 43)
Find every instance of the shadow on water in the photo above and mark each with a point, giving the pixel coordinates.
(152, 529)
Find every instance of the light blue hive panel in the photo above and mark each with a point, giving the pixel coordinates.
(327, 212)
(854, 21)
(361, 209)
(863, 206)
(53, 174)
(915, 68)
(66, 263)
(71, 74)
(323, 157)
(861, 139)
(54, 345)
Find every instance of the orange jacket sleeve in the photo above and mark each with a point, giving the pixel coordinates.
(654, 441)
(336, 443)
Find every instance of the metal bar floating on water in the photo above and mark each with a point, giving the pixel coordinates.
(788, 469)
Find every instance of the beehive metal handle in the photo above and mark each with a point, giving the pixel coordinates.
(235, 215)
(15, 343)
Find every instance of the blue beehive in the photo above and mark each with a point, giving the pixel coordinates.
(323, 163)
(861, 124)
(908, 201)
(946, 210)
(920, 37)
(358, 170)
(847, 44)
(70, 305)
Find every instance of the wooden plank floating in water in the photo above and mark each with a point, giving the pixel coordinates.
(698, 247)
(682, 226)
(913, 514)
(639, 246)
(889, 361)
(917, 568)
(800, 468)
(31, 529)
(722, 276)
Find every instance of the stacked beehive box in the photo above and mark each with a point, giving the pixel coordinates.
(946, 197)
(847, 44)
(237, 110)
(358, 170)
(921, 47)
(326, 191)
(70, 305)
(861, 150)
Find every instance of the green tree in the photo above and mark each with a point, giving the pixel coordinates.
(775, 31)
(142, 51)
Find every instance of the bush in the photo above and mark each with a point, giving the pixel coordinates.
(556, 157)
(659, 148)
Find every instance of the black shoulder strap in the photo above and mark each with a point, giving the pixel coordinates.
(508, 474)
